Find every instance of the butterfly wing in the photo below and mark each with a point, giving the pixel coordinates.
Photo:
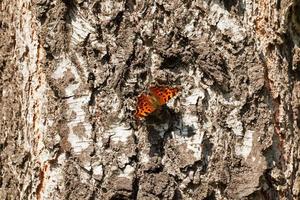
(145, 106)
(163, 94)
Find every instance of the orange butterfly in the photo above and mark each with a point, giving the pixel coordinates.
(148, 103)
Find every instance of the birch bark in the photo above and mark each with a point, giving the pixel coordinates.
(71, 72)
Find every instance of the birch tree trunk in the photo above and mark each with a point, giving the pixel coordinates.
(71, 72)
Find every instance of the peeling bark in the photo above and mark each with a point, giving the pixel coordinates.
(71, 72)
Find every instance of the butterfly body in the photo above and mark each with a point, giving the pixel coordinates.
(149, 102)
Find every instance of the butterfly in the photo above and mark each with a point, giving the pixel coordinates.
(147, 103)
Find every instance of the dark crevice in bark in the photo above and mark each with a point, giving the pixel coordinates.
(129, 5)
(119, 197)
(56, 92)
(70, 8)
(93, 195)
(94, 138)
(155, 170)
(273, 153)
(116, 23)
(106, 143)
(211, 196)
(228, 4)
(91, 79)
(42, 9)
(270, 192)
(135, 188)
(107, 57)
(177, 195)
(206, 152)
(162, 8)
(171, 62)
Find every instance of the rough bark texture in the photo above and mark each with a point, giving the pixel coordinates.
(71, 72)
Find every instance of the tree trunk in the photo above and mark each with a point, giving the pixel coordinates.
(71, 72)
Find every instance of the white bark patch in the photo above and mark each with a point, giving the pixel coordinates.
(53, 178)
(195, 145)
(189, 119)
(120, 133)
(39, 102)
(127, 172)
(191, 123)
(185, 182)
(81, 28)
(62, 67)
(195, 95)
(147, 28)
(109, 10)
(85, 178)
(26, 41)
(79, 143)
(236, 126)
(190, 28)
(226, 23)
(155, 62)
(28, 54)
(122, 160)
(98, 170)
(144, 158)
(248, 7)
(232, 119)
(245, 148)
